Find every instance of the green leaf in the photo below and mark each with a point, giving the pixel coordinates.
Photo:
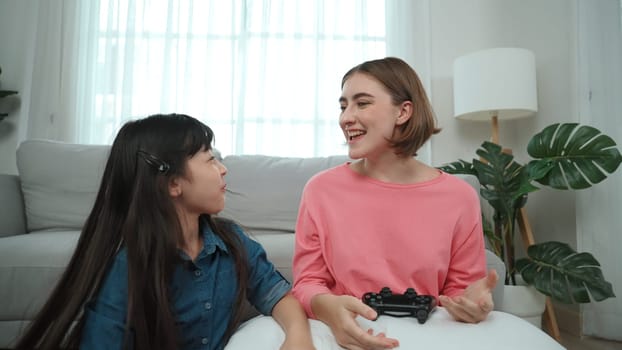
(560, 272)
(572, 156)
(5, 93)
(459, 167)
(503, 180)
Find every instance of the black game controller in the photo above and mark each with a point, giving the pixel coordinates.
(400, 305)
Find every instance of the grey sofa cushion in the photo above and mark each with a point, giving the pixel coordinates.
(264, 192)
(59, 182)
(30, 266)
(12, 214)
(280, 250)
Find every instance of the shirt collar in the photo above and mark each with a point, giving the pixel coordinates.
(210, 240)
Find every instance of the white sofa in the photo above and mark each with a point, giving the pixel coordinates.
(44, 207)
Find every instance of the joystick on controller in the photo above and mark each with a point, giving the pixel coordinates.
(408, 304)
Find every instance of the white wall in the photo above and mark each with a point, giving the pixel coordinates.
(598, 209)
(547, 29)
(550, 29)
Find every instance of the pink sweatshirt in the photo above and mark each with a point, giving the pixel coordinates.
(355, 234)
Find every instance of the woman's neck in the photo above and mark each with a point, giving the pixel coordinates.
(393, 169)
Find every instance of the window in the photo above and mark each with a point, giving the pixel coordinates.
(265, 75)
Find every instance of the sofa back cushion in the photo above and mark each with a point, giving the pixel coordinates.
(264, 192)
(59, 182)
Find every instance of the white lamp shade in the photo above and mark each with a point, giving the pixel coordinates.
(500, 81)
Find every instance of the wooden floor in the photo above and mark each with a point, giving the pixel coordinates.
(573, 342)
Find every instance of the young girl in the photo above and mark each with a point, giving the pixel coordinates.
(387, 219)
(154, 268)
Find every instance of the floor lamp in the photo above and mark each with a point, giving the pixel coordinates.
(500, 84)
(495, 84)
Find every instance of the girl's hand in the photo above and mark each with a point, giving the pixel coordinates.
(297, 344)
(475, 303)
(288, 313)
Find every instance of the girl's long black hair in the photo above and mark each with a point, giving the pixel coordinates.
(133, 209)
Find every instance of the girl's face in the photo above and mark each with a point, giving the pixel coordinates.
(202, 189)
(368, 116)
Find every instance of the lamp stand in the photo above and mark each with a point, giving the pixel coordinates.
(549, 320)
(495, 129)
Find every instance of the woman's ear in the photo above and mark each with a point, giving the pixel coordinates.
(405, 112)
(174, 187)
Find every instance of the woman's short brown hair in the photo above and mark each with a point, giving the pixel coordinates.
(403, 84)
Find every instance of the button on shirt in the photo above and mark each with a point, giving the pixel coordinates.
(202, 291)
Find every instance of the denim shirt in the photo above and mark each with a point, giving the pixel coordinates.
(202, 292)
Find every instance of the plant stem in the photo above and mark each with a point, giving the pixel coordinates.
(508, 229)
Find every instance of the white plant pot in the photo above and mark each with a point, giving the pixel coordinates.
(525, 302)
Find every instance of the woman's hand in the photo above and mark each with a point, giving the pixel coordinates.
(339, 313)
(475, 303)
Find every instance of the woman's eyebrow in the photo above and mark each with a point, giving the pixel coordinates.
(356, 96)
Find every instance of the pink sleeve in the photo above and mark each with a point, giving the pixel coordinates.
(468, 256)
(311, 275)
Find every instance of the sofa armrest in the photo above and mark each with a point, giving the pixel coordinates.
(12, 215)
(494, 262)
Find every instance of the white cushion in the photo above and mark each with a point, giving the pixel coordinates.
(499, 331)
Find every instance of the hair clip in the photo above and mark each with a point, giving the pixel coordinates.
(154, 161)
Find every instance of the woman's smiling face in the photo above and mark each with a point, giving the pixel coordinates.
(368, 116)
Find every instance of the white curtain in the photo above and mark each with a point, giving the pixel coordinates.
(264, 74)
(51, 109)
(599, 219)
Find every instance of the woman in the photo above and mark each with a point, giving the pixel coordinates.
(387, 219)
(154, 269)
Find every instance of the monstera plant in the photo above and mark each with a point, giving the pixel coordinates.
(566, 157)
